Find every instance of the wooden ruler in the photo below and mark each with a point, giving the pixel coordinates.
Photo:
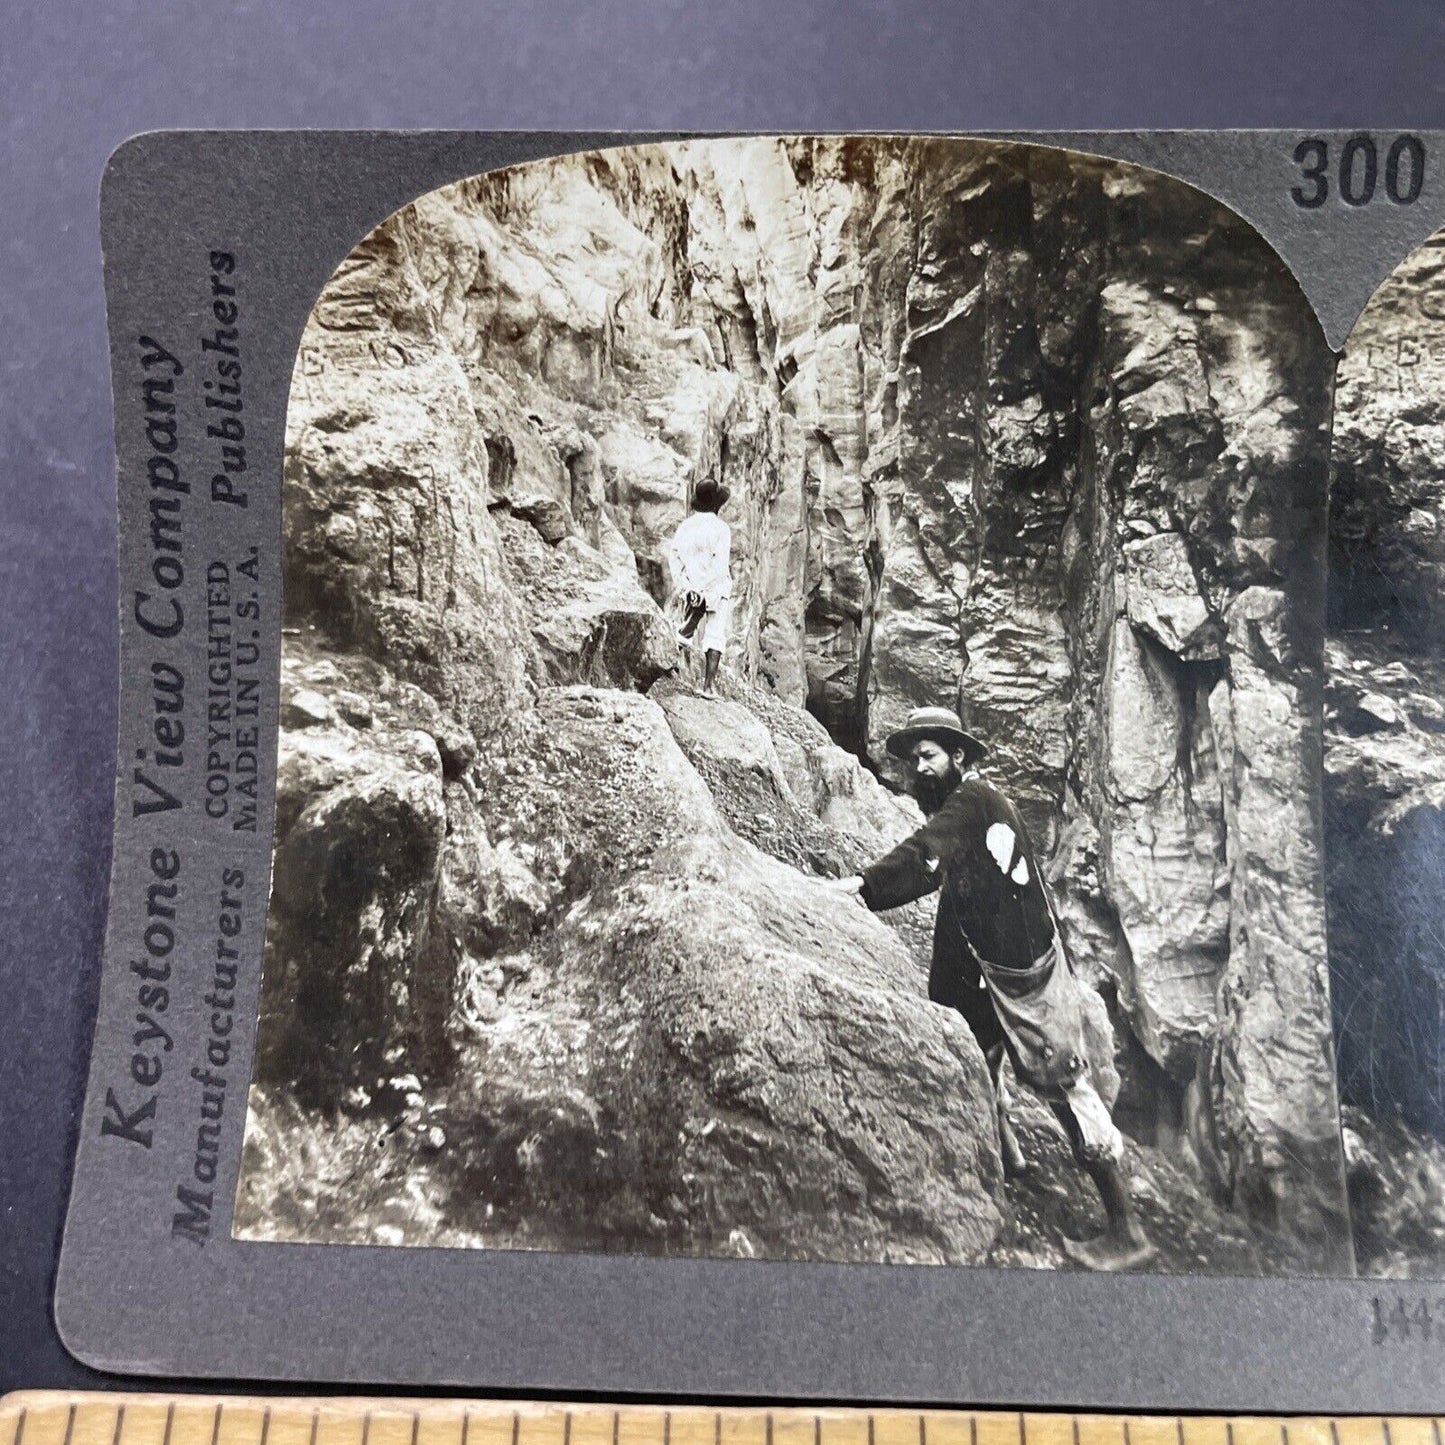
(59, 1418)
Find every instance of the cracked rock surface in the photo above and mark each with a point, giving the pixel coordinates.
(1038, 436)
(1384, 784)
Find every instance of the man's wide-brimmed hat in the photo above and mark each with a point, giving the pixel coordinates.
(709, 496)
(935, 725)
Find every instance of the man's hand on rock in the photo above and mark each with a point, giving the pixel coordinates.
(850, 887)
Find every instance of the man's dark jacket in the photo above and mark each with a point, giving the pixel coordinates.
(976, 850)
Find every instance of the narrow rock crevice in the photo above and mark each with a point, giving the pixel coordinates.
(1033, 435)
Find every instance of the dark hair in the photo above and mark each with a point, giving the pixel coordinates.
(709, 496)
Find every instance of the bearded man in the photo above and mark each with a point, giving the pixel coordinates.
(998, 960)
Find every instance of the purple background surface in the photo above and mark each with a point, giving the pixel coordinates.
(76, 80)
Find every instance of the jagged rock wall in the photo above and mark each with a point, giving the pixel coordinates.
(1113, 412)
(508, 910)
(1385, 753)
(1040, 434)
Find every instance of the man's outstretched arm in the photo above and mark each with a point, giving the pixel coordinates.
(915, 867)
(889, 884)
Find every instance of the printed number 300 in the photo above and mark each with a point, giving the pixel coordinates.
(1359, 171)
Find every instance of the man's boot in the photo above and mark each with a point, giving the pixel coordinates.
(1123, 1244)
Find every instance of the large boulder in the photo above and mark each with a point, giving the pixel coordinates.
(361, 827)
(718, 1057)
(706, 1051)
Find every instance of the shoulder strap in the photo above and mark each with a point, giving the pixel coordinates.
(1058, 927)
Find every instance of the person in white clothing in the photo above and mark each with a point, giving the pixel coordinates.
(699, 557)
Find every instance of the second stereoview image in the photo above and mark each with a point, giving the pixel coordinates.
(802, 690)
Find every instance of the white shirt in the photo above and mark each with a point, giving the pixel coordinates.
(698, 556)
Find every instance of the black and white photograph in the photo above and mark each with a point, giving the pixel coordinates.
(1384, 766)
(868, 700)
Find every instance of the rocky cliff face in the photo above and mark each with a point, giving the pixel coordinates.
(1385, 745)
(1002, 426)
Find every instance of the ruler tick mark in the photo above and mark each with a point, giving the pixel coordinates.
(126, 1423)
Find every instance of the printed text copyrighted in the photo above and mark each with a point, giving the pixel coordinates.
(198, 749)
